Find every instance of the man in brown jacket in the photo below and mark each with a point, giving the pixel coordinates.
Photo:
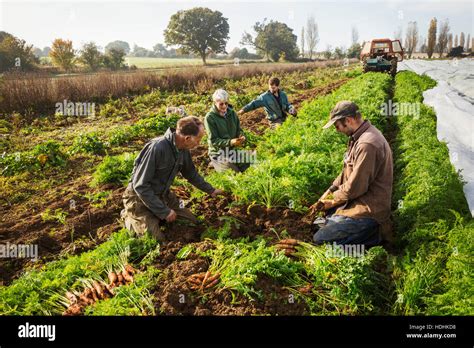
(359, 211)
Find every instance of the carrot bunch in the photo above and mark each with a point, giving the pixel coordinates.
(98, 290)
(288, 246)
(202, 281)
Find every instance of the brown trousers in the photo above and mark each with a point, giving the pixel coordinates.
(140, 220)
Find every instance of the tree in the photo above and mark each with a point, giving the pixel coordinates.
(431, 37)
(424, 46)
(354, 50)
(117, 44)
(355, 35)
(114, 58)
(312, 35)
(443, 37)
(141, 52)
(461, 40)
(242, 54)
(339, 53)
(15, 53)
(302, 42)
(199, 30)
(38, 52)
(468, 42)
(411, 40)
(272, 40)
(450, 42)
(328, 52)
(160, 51)
(456, 41)
(91, 56)
(62, 54)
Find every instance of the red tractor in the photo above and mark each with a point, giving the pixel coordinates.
(382, 55)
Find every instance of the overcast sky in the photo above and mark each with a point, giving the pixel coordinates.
(142, 22)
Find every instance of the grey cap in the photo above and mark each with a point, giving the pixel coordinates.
(343, 109)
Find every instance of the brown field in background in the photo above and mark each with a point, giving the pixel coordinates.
(32, 93)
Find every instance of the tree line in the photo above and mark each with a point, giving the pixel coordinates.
(202, 32)
(439, 40)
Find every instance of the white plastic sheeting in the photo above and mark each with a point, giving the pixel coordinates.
(453, 101)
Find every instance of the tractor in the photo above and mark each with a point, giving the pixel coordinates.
(381, 55)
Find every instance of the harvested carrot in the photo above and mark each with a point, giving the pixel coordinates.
(85, 299)
(199, 276)
(292, 250)
(112, 277)
(128, 277)
(214, 277)
(98, 288)
(71, 297)
(289, 241)
(74, 309)
(205, 279)
(110, 289)
(194, 281)
(213, 283)
(285, 246)
(119, 278)
(130, 269)
(94, 294)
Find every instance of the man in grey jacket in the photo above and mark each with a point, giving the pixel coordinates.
(148, 199)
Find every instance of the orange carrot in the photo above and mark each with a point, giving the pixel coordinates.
(130, 269)
(289, 241)
(128, 277)
(94, 294)
(211, 284)
(98, 288)
(112, 277)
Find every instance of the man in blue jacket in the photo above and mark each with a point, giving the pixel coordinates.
(274, 101)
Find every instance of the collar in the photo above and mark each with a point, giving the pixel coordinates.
(362, 128)
(214, 109)
(170, 135)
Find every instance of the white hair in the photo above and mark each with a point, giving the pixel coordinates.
(220, 95)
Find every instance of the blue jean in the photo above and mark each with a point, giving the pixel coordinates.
(345, 230)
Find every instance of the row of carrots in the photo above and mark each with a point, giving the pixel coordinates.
(98, 291)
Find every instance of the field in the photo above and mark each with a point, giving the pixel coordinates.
(160, 63)
(63, 177)
(157, 63)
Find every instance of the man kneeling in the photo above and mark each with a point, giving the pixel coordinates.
(148, 199)
(359, 211)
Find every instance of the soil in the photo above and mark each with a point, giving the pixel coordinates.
(173, 296)
(87, 226)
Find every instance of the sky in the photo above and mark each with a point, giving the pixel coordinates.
(143, 22)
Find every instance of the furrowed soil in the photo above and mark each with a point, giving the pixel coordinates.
(87, 226)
